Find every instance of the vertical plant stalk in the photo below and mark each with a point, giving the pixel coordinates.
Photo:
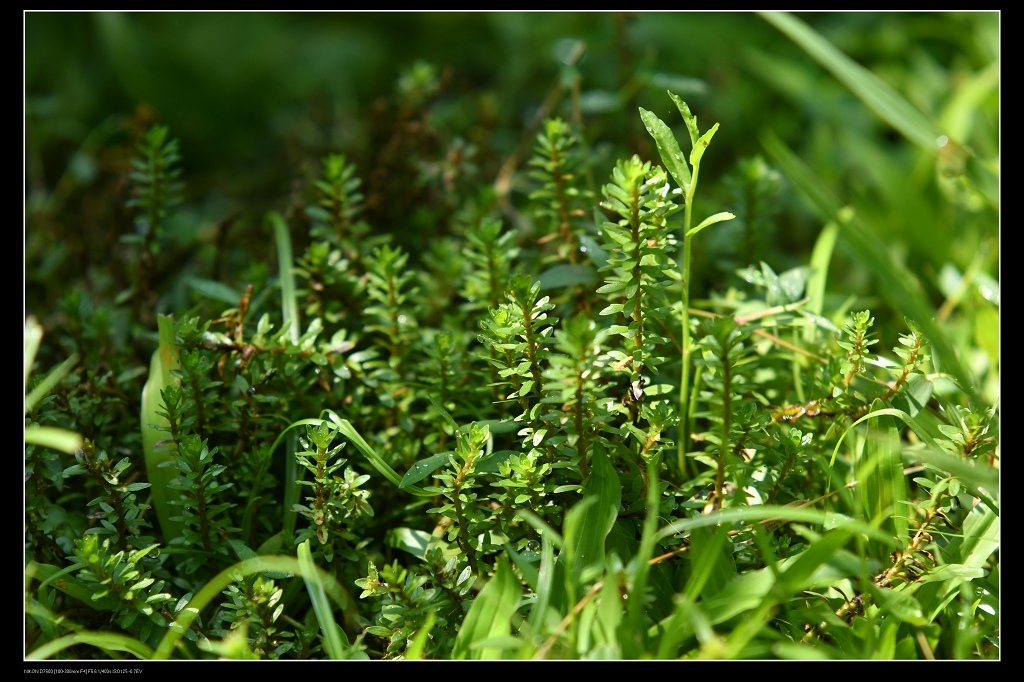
(290, 314)
(285, 263)
(726, 423)
(676, 164)
(581, 434)
(684, 316)
(467, 547)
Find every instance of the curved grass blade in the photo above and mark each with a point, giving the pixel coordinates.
(48, 383)
(33, 337)
(262, 564)
(888, 104)
(711, 220)
(489, 616)
(335, 641)
(419, 642)
(46, 436)
(54, 438)
(349, 431)
(107, 641)
(763, 512)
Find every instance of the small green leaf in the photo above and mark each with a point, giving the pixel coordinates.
(700, 145)
(668, 148)
(423, 468)
(717, 218)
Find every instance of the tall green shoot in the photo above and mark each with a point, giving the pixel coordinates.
(680, 169)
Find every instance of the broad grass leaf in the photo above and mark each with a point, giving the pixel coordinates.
(797, 576)
(821, 258)
(609, 612)
(952, 572)
(489, 616)
(159, 454)
(213, 290)
(971, 551)
(712, 563)
(588, 524)
(410, 540)
(880, 481)
(794, 651)
(900, 604)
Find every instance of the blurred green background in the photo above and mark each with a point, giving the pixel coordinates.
(257, 99)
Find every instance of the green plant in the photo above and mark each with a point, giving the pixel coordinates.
(427, 417)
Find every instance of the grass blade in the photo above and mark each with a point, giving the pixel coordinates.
(261, 564)
(888, 104)
(880, 480)
(290, 316)
(419, 642)
(107, 641)
(635, 614)
(346, 429)
(335, 641)
(489, 616)
(285, 263)
(33, 337)
(159, 453)
(54, 438)
(587, 527)
(48, 383)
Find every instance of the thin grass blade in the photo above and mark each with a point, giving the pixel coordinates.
(335, 641)
(888, 104)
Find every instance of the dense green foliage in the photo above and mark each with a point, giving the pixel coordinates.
(457, 361)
